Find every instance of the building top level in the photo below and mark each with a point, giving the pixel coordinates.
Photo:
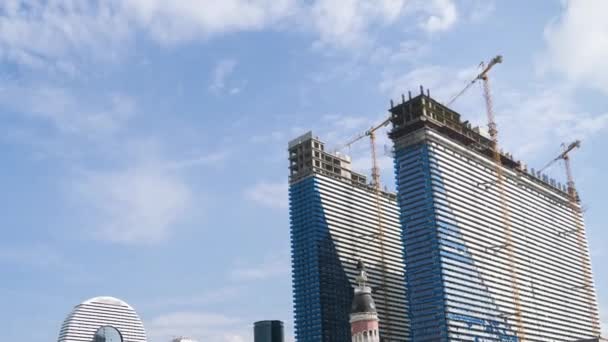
(421, 111)
(307, 156)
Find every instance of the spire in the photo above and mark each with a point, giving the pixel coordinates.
(362, 276)
(363, 314)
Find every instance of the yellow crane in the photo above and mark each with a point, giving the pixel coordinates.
(566, 158)
(371, 133)
(375, 183)
(506, 218)
(574, 204)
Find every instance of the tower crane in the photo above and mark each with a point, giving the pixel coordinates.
(483, 75)
(375, 183)
(371, 133)
(566, 158)
(506, 218)
(574, 204)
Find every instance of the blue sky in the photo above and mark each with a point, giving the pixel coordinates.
(143, 142)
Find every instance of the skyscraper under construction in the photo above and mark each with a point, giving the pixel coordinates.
(338, 219)
(493, 251)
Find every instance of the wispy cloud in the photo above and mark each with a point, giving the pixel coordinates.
(177, 21)
(208, 298)
(50, 34)
(91, 118)
(534, 121)
(273, 136)
(45, 34)
(346, 23)
(210, 159)
(442, 15)
(271, 266)
(603, 319)
(59, 36)
(36, 255)
(442, 82)
(137, 205)
(577, 44)
(201, 326)
(220, 75)
(268, 194)
(481, 10)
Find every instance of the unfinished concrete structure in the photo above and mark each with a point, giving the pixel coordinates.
(334, 222)
(476, 268)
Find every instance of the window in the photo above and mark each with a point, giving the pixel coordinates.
(108, 334)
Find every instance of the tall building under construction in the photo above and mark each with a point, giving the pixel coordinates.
(493, 251)
(336, 220)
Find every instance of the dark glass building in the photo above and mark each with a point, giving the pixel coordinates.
(268, 331)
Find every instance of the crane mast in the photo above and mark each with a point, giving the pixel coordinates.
(375, 183)
(504, 208)
(506, 218)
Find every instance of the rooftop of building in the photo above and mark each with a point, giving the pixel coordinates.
(107, 300)
(308, 155)
(414, 113)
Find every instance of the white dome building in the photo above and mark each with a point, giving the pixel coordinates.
(102, 319)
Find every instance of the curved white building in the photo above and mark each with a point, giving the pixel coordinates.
(102, 319)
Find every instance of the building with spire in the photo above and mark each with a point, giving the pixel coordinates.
(337, 218)
(363, 315)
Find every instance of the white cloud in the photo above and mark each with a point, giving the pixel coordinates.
(221, 73)
(603, 320)
(540, 120)
(408, 51)
(209, 297)
(273, 136)
(481, 10)
(216, 158)
(180, 20)
(442, 82)
(576, 43)
(92, 118)
(273, 266)
(268, 194)
(59, 35)
(41, 33)
(346, 23)
(138, 205)
(201, 326)
(442, 15)
(36, 255)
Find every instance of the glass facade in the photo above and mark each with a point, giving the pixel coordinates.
(268, 331)
(475, 272)
(334, 223)
(108, 334)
